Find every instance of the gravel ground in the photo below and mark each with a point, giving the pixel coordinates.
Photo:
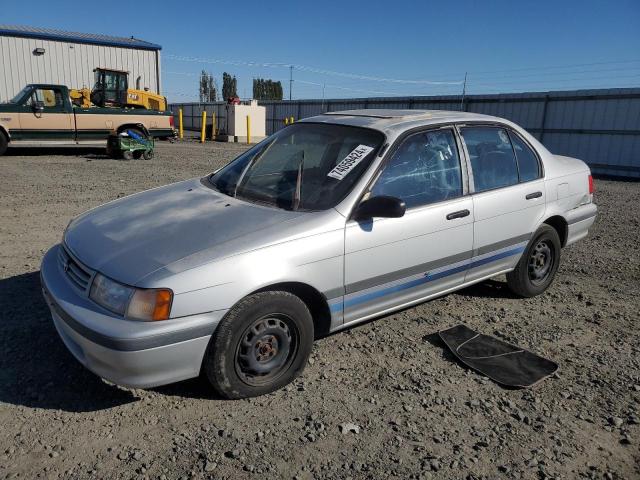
(382, 400)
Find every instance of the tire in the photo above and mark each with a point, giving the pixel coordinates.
(113, 152)
(128, 154)
(148, 155)
(3, 143)
(539, 263)
(261, 345)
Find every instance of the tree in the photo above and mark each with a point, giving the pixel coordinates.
(266, 89)
(229, 86)
(208, 87)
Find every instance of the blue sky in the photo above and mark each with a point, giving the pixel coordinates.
(370, 48)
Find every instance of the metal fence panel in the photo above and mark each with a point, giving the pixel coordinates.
(601, 127)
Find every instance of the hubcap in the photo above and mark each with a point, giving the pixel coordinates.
(266, 349)
(540, 262)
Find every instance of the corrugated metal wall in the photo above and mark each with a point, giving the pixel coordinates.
(601, 127)
(69, 63)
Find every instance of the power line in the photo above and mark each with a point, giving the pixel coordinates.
(307, 68)
(562, 80)
(377, 92)
(556, 66)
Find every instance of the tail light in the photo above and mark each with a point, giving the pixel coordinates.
(171, 121)
(591, 188)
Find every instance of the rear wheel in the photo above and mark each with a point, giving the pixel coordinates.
(261, 345)
(538, 266)
(3, 143)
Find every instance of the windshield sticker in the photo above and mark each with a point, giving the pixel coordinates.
(350, 162)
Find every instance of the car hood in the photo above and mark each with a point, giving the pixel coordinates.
(129, 238)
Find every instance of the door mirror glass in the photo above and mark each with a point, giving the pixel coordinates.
(380, 206)
(38, 106)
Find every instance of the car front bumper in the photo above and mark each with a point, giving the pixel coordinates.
(129, 353)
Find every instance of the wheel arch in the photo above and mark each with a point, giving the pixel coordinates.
(5, 132)
(561, 227)
(315, 301)
(138, 126)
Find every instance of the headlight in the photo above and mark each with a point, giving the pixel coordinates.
(111, 295)
(133, 303)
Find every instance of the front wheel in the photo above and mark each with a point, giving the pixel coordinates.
(261, 345)
(539, 263)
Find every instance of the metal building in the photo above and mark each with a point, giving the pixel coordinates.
(43, 55)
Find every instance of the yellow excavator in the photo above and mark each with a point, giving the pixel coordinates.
(111, 89)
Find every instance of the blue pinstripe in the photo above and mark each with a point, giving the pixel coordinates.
(365, 297)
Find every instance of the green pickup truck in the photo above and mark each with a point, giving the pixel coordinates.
(43, 115)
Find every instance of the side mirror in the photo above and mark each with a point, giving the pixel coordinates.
(380, 206)
(38, 106)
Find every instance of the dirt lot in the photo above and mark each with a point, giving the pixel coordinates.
(418, 413)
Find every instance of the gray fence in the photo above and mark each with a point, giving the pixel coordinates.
(601, 127)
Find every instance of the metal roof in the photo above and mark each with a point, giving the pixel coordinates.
(90, 38)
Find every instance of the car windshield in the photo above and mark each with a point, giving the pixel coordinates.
(20, 94)
(307, 166)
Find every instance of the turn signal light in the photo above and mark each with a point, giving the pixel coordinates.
(591, 188)
(150, 304)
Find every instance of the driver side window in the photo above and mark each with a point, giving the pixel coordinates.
(424, 169)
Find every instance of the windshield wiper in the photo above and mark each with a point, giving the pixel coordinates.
(297, 192)
(251, 163)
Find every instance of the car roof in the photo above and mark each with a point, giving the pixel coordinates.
(396, 121)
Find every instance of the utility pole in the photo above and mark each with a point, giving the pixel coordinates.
(464, 91)
(290, 80)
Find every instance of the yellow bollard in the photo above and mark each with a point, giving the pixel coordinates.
(180, 124)
(286, 120)
(204, 126)
(213, 125)
(248, 129)
(291, 120)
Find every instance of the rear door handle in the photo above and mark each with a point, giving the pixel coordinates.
(533, 195)
(458, 214)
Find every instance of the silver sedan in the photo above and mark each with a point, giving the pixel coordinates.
(329, 222)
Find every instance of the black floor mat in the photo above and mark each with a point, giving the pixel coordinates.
(504, 363)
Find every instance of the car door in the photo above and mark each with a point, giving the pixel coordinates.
(508, 197)
(46, 117)
(391, 262)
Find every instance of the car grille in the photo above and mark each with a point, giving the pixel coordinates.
(78, 274)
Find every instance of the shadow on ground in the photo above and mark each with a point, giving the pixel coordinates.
(36, 370)
(488, 289)
(47, 151)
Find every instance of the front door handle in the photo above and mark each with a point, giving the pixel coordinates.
(458, 214)
(533, 195)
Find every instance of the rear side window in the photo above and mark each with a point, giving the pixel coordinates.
(492, 159)
(528, 164)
